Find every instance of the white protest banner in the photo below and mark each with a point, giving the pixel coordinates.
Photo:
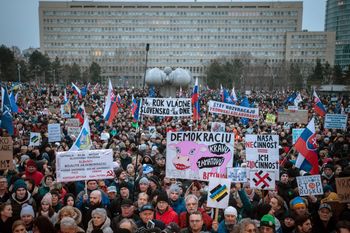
(335, 121)
(294, 108)
(6, 152)
(34, 139)
(217, 127)
(295, 116)
(262, 179)
(198, 155)
(166, 107)
(262, 152)
(219, 190)
(84, 165)
(237, 174)
(233, 110)
(343, 187)
(309, 185)
(66, 110)
(72, 122)
(75, 131)
(296, 134)
(54, 131)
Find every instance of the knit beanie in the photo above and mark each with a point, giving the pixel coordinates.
(47, 199)
(19, 184)
(31, 162)
(27, 210)
(297, 202)
(123, 185)
(268, 220)
(100, 212)
(163, 196)
(174, 188)
(230, 211)
(144, 180)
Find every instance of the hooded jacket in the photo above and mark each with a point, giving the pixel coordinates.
(17, 204)
(168, 216)
(105, 228)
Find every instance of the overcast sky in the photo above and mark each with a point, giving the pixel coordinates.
(19, 20)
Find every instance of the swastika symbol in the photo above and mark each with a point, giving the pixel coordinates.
(262, 179)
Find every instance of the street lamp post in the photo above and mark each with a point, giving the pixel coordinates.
(19, 72)
(144, 76)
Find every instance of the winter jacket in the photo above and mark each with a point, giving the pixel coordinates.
(6, 227)
(17, 204)
(36, 176)
(168, 216)
(77, 217)
(179, 205)
(184, 217)
(105, 228)
(79, 199)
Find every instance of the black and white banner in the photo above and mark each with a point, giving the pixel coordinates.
(167, 107)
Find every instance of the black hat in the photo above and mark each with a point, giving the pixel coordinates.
(123, 185)
(147, 207)
(330, 166)
(163, 196)
(126, 202)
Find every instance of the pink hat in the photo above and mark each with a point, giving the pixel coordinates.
(47, 199)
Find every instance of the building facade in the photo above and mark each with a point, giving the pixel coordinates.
(181, 34)
(338, 20)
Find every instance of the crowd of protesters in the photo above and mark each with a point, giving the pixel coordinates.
(141, 198)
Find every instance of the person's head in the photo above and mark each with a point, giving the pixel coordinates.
(92, 185)
(27, 214)
(325, 212)
(143, 184)
(303, 223)
(196, 221)
(298, 205)
(124, 190)
(48, 180)
(55, 197)
(128, 224)
(247, 188)
(95, 197)
(6, 210)
(42, 224)
(146, 213)
(20, 189)
(328, 169)
(98, 217)
(68, 225)
(19, 227)
(127, 208)
(267, 224)
(112, 192)
(195, 188)
(174, 192)
(162, 202)
(191, 203)
(46, 202)
(31, 166)
(142, 199)
(69, 211)
(247, 225)
(69, 199)
(289, 220)
(276, 202)
(284, 177)
(343, 226)
(230, 215)
(3, 183)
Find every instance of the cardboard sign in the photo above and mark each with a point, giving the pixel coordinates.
(299, 116)
(66, 110)
(335, 121)
(262, 179)
(270, 118)
(84, 165)
(198, 155)
(54, 131)
(219, 190)
(296, 134)
(237, 174)
(6, 152)
(343, 189)
(262, 152)
(233, 110)
(73, 122)
(75, 131)
(34, 139)
(167, 107)
(309, 185)
(217, 127)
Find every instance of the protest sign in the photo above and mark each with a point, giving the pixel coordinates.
(343, 189)
(309, 185)
(293, 107)
(296, 134)
(66, 110)
(54, 131)
(335, 121)
(152, 130)
(166, 107)
(233, 110)
(84, 165)
(6, 152)
(217, 127)
(105, 136)
(34, 139)
(72, 122)
(219, 190)
(262, 152)
(75, 131)
(198, 155)
(299, 116)
(237, 174)
(270, 118)
(52, 109)
(262, 179)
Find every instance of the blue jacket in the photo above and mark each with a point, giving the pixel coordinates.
(178, 206)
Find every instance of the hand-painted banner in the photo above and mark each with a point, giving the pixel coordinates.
(54, 131)
(166, 107)
(73, 122)
(219, 193)
(34, 139)
(217, 127)
(335, 121)
(262, 179)
(75, 131)
(233, 110)
(6, 152)
(343, 187)
(270, 118)
(198, 155)
(262, 152)
(84, 165)
(237, 174)
(309, 185)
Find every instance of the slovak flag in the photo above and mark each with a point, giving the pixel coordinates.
(81, 113)
(135, 108)
(119, 99)
(76, 90)
(83, 141)
(318, 106)
(111, 107)
(195, 101)
(307, 145)
(298, 99)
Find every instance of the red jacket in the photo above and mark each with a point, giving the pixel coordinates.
(168, 216)
(36, 176)
(206, 219)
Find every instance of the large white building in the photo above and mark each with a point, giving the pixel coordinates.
(180, 34)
